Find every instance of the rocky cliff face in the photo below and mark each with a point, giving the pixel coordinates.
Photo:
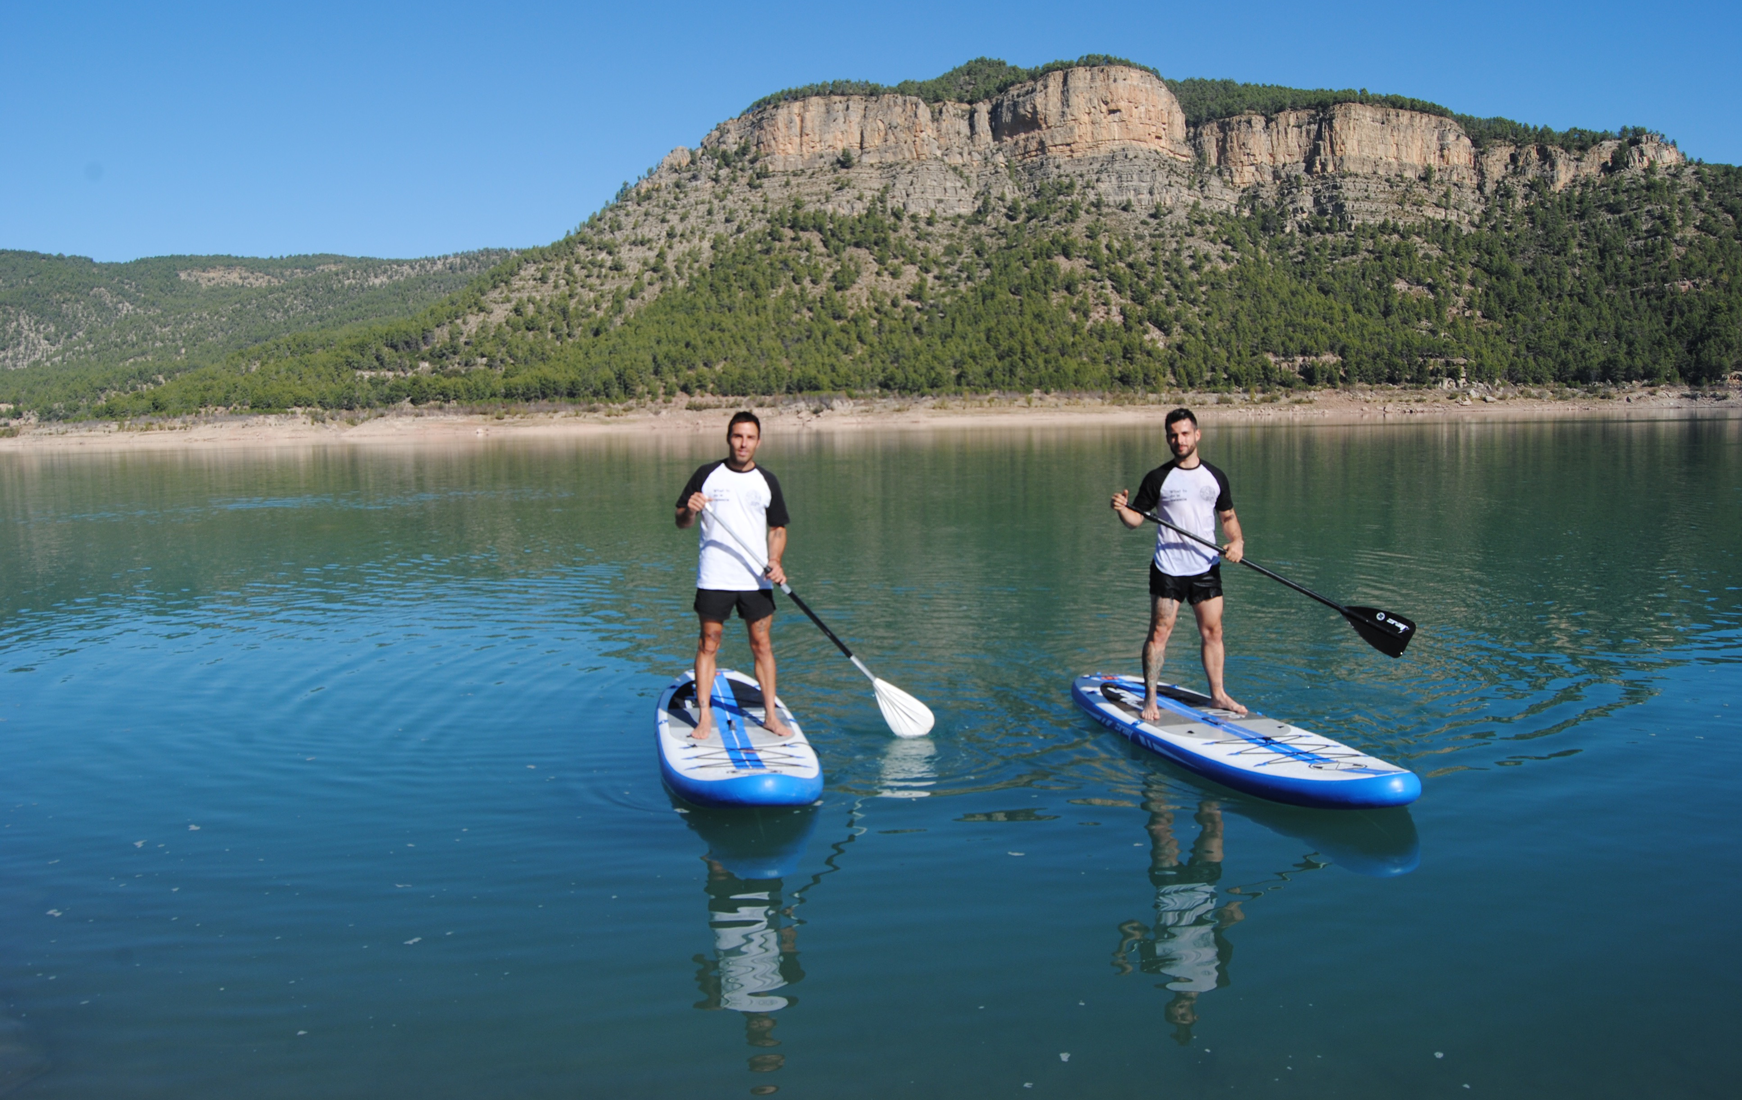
(1082, 112)
(1356, 139)
(1348, 139)
(1071, 113)
(1122, 132)
(890, 129)
(1561, 167)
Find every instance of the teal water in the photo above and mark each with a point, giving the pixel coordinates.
(331, 773)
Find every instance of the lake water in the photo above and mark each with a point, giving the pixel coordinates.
(331, 773)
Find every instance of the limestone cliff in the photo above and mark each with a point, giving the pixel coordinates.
(1348, 139)
(890, 129)
(1069, 113)
(1360, 140)
(1081, 112)
(1123, 129)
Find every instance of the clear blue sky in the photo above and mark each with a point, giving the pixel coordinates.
(414, 129)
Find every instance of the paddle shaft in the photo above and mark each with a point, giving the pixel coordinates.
(755, 559)
(1302, 589)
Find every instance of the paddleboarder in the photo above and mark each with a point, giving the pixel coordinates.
(1191, 494)
(747, 497)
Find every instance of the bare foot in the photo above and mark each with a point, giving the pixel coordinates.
(704, 723)
(776, 726)
(1225, 701)
(1151, 711)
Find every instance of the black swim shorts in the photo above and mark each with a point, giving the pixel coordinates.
(715, 605)
(1205, 586)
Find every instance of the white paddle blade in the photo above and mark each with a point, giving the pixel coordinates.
(907, 716)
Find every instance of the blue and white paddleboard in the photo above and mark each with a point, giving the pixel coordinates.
(740, 763)
(1257, 755)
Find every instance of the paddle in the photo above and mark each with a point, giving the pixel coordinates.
(1387, 632)
(907, 716)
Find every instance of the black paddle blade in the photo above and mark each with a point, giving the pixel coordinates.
(1384, 631)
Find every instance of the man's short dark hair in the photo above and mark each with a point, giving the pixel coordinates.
(748, 417)
(1172, 418)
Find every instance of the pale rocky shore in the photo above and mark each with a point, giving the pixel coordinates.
(689, 416)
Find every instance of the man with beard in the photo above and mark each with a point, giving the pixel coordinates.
(1191, 494)
(745, 497)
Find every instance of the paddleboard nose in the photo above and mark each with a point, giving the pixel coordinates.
(1404, 788)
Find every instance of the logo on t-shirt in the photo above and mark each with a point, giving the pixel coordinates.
(1172, 494)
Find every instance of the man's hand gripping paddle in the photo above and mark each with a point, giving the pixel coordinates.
(907, 716)
(1387, 632)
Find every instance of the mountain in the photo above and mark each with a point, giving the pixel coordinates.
(1072, 227)
(69, 325)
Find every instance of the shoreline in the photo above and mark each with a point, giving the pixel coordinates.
(824, 414)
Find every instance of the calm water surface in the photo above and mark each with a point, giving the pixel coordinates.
(331, 773)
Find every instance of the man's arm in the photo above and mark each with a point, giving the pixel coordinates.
(1129, 516)
(1129, 510)
(776, 547)
(690, 509)
(1235, 548)
(692, 500)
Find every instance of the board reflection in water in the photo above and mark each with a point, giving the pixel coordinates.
(1370, 843)
(754, 961)
(1188, 945)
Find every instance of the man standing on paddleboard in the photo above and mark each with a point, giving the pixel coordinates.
(736, 492)
(1191, 494)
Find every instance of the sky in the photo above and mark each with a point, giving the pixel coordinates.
(400, 130)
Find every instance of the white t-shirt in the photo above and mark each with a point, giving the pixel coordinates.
(1190, 499)
(750, 503)
(747, 943)
(1185, 936)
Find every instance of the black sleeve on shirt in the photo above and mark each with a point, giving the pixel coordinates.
(777, 516)
(1224, 499)
(1149, 493)
(694, 484)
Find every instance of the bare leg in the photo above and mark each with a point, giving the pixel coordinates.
(762, 648)
(706, 647)
(1163, 847)
(1208, 848)
(1131, 934)
(1162, 614)
(1209, 614)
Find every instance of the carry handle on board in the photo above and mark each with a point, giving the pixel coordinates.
(1385, 631)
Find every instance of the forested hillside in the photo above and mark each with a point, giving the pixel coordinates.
(70, 327)
(719, 274)
(1617, 280)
